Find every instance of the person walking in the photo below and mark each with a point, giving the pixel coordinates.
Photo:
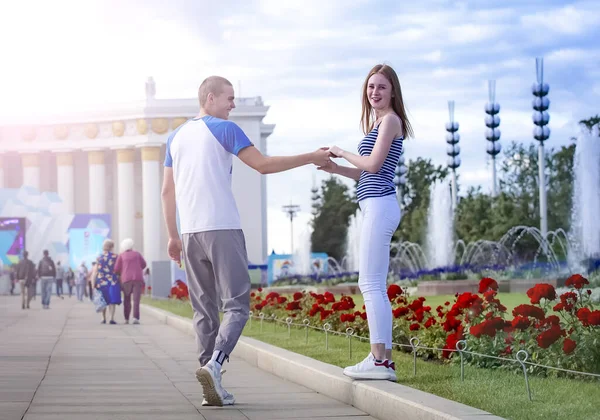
(106, 280)
(25, 273)
(47, 274)
(197, 185)
(80, 281)
(129, 266)
(60, 276)
(385, 124)
(70, 279)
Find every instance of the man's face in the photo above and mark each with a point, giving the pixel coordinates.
(223, 104)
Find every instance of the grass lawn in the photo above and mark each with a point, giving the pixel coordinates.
(499, 392)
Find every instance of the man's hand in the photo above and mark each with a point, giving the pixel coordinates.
(336, 151)
(174, 250)
(320, 157)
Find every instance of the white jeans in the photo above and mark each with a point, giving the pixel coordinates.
(381, 217)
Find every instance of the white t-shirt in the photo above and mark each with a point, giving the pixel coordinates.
(201, 155)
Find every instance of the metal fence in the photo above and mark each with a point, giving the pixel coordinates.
(461, 347)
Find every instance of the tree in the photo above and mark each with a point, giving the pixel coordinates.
(591, 122)
(415, 199)
(331, 214)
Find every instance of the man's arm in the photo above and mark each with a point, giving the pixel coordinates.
(168, 202)
(252, 157)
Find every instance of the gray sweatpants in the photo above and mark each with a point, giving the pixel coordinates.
(216, 266)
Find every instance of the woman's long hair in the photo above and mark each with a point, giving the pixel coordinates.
(368, 115)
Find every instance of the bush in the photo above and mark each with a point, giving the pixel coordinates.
(556, 330)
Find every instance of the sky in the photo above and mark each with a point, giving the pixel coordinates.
(308, 59)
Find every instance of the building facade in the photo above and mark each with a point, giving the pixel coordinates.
(110, 161)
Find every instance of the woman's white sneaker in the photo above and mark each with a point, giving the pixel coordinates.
(369, 368)
(392, 372)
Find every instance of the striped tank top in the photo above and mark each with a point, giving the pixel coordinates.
(381, 183)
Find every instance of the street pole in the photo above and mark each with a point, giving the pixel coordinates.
(541, 133)
(291, 210)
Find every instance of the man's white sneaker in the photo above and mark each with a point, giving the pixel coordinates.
(368, 369)
(214, 394)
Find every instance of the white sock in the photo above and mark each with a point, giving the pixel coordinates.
(219, 357)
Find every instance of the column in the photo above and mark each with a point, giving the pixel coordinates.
(31, 170)
(97, 182)
(151, 202)
(65, 180)
(125, 193)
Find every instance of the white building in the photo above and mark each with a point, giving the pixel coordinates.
(110, 161)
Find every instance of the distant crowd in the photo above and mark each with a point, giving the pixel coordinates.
(109, 277)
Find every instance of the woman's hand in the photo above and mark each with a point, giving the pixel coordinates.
(330, 167)
(336, 151)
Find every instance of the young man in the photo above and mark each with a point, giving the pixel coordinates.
(25, 273)
(47, 274)
(197, 176)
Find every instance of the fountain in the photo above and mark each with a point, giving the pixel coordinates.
(350, 261)
(440, 226)
(301, 258)
(585, 226)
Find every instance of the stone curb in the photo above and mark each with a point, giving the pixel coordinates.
(381, 399)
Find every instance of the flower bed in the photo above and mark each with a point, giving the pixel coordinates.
(561, 331)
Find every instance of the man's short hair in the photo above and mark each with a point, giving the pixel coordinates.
(45, 252)
(25, 254)
(212, 84)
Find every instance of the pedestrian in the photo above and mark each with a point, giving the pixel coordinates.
(129, 266)
(197, 185)
(105, 280)
(81, 281)
(13, 278)
(25, 273)
(47, 274)
(60, 276)
(70, 279)
(89, 292)
(385, 125)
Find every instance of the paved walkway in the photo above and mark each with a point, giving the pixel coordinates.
(63, 364)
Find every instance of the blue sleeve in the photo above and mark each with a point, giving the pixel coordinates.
(232, 137)
(168, 157)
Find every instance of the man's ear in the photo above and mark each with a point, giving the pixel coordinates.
(210, 98)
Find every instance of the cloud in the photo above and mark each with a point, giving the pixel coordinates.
(308, 60)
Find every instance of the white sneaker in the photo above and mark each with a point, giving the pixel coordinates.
(136, 321)
(392, 372)
(210, 379)
(368, 369)
(228, 399)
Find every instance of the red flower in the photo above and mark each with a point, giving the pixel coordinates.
(577, 281)
(329, 298)
(281, 299)
(583, 315)
(394, 291)
(521, 323)
(488, 327)
(549, 337)
(400, 311)
(414, 327)
(298, 296)
(451, 323)
(594, 318)
(415, 305)
(363, 315)
(293, 306)
(451, 341)
(569, 346)
(430, 322)
(487, 283)
(259, 289)
(529, 311)
(347, 317)
(541, 291)
(325, 314)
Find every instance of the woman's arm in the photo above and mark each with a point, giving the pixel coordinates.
(389, 129)
(348, 172)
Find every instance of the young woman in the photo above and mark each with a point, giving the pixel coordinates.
(385, 125)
